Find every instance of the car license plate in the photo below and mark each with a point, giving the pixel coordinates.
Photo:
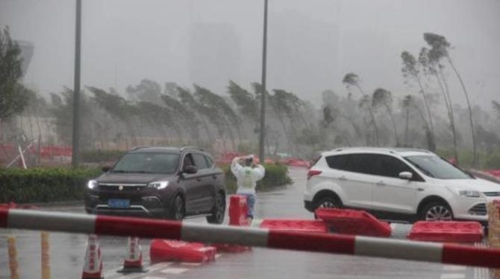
(118, 203)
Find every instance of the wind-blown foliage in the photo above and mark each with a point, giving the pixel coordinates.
(14, 96)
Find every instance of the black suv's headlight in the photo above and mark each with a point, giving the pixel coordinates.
(92, 184)
(158, 184)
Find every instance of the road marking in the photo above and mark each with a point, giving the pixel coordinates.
(151, 269)
(153, 277)
(191, 264)
(454, 268)
(453, 276)
(173, 270)
(481, 273)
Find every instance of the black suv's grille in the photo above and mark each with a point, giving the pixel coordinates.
(479, 209)
(121, 187)
(492, 194)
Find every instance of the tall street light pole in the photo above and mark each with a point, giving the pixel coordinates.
(263, 93)
(76, 90)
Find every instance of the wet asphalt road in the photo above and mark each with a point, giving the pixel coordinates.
(68, 252)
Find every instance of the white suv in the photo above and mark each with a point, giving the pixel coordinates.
(398, 185)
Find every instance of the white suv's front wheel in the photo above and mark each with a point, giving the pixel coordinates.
(436, 211)
(328, 202)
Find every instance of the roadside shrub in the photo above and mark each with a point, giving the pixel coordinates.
(44, 184)
(40, 185)
(276, 175)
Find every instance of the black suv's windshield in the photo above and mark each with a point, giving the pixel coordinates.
(147, 162)
(434, 166)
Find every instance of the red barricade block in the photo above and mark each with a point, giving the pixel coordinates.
(354, 222)
(298, 163)
(295, 225)
(179, 251)
(238, 211)
(447, 231)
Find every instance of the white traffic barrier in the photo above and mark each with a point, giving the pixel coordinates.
(301, 241)
(133, 257)
(92, 268)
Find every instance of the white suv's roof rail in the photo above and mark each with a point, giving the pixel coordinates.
(381, 149)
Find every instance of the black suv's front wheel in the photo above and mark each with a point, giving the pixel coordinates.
(218, 210)
(177, 210)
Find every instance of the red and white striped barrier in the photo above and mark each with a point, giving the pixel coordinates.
(301, 241)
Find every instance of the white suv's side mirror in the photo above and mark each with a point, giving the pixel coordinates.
(405, 175)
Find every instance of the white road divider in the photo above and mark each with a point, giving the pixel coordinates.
(247, 236)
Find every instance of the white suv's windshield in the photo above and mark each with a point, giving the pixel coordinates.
(436, 167)
(147, 163)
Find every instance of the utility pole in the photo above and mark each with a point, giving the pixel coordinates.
(76, 90)
(263, 93)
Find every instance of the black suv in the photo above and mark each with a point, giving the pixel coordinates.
(160, 182)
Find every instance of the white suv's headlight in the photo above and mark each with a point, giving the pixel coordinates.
(470, 193)
(465, 193)
(159, 184)
(92, 184)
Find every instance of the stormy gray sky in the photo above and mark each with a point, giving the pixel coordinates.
(312, 43)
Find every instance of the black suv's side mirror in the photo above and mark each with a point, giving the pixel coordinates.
(105, 168)
(190, 170)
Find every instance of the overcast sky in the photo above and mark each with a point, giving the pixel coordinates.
(312, 43)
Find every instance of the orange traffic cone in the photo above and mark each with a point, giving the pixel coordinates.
(93, 260)
(133, 258)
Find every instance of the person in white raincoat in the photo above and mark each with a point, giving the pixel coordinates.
(246, 178)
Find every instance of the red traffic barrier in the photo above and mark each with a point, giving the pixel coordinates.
(315, 226)
(92, 268)
(354, 222)
(494, 172)
(179, 251)
(238, 210)
(17, 206)
(133, 258)
(447, 231)
(298, 163)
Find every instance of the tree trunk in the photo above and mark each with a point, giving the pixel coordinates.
(290, 145)
(449, 105)
(431, 145)
(474, 163)
(431, 126)
(357, 130)
(407, 123)
(372, 116)
(393, 123)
